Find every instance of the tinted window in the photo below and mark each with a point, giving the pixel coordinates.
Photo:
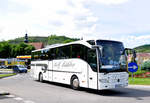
(92, 42)
(44, 54)
(112, 52)
(36, 55)
(52, 54)
(92, 59)
(40, 55)
(78, 51)
(64, 52)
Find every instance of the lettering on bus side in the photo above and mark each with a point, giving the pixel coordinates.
(64, 64)
(68, 64)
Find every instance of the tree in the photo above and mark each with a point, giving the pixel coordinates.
(53, 39)
(146, 65)
(5, 50)
(24, 49)
(12, 50)
(68, 41)
(28, 49)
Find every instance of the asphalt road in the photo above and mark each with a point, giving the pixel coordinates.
(24, 89)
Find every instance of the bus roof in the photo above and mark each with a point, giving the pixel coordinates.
(60, 45)
(103, 40)
(83, 42)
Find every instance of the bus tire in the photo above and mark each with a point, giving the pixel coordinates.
(75, 83)
(41, 77)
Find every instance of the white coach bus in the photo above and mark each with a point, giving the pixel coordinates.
(95, 64)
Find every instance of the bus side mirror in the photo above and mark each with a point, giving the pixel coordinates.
(99, 47)
(134, 53)
(129, 51)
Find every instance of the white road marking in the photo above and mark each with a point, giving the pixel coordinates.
(10, 96)
(18, 98)
(29, 102)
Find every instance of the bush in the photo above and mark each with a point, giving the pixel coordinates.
(146, 65)
(138, 72)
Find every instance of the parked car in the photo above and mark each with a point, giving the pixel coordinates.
(3, 66)
(19, 69)
(9, 67)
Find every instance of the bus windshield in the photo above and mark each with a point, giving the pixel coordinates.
(112, 58)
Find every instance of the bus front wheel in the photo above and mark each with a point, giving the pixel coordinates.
(75, 83)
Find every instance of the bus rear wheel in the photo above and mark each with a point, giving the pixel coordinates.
(75, 83)
(41, 77)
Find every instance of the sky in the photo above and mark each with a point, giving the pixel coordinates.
(122, 20)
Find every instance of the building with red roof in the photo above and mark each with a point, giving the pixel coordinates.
(142, 57)
(37, 45)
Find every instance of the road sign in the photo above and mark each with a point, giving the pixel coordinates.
(132, 67)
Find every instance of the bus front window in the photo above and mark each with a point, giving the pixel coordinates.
(112, 58)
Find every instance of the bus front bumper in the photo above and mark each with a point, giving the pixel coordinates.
(113, 80)
(112, 85)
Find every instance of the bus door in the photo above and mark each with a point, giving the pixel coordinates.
(92, 69)
(47, 70)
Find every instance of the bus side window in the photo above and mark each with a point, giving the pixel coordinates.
(92, 59)
(78, 51)
(92, 42)
(35, 56)
(65, 52)
(32, 56)
(44, 54)
(52, 54)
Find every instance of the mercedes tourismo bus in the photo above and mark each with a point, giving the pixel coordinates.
(95, 64)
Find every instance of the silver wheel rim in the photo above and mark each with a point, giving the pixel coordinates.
(75, 83)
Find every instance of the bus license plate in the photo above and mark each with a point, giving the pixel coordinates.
(118, 85)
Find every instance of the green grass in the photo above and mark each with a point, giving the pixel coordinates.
(6, 69)
(139, 81)
(6, 75)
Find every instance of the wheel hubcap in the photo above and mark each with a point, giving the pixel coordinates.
(75, 83)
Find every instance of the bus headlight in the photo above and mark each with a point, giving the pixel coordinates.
(104, 80)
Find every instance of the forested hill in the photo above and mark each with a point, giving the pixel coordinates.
(143, 49)
(53, 39)
(13, 48)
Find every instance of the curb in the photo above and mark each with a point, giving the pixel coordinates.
(140, 86)
(7, 76)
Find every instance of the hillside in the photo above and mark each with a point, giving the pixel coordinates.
(31, 39)
(53, 39)
(13, 48)
(143, 49)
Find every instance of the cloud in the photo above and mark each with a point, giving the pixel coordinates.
(1, 29)
(49, 16)
(134, 41)
(91, 19)
(111, 2)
